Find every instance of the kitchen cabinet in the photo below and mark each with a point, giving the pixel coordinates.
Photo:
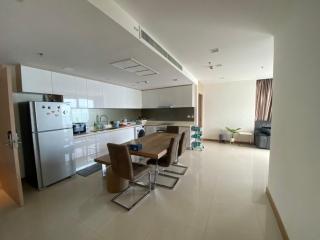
(133, 98)
(167, 97)
(121, 97)
(79, 154)
(78, 92)
(150, 99)
(87, 147)
(95, 94)
(121, 135)
(73, 89)
(33, 80)
(181, 96)
(150, 129)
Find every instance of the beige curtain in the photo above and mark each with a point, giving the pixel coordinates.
(264, 100)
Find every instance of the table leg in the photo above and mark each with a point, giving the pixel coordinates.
(156, 171)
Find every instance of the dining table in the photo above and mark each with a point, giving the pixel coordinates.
(154, 145)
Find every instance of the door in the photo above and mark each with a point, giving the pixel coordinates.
(55, 155)
(50, 116)
(200, 110)
(10, 180)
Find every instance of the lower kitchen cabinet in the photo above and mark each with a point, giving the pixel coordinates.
(88, 147)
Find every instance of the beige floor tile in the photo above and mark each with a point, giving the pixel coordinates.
(221, 196)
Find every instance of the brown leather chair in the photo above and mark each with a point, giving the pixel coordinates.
(181, 150)
(173, 129)
(123, 167)
(165, 162)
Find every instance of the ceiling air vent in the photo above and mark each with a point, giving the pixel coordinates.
(159, 49)
(133, 66)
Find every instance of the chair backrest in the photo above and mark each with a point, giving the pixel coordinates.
(172, 129)
(182, 144)
(172, 153)
(120, 160)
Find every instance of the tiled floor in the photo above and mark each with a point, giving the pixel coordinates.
(221, 197)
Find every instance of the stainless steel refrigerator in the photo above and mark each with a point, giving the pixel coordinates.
(47, 138)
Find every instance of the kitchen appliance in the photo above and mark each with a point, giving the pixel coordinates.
(139, 132)
(79, 128)
(47, 137)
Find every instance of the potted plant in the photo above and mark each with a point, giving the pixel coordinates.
(232, 131)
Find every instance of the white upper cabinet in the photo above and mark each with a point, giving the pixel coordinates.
(181, 96)
(109, 100)
(73, 89)
(133, 98)
(78, 92)
(95, 94)
(35, 80)
(150, 99)
(184, 96)
(121, 97)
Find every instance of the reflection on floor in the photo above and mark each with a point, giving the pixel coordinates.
(220, 197)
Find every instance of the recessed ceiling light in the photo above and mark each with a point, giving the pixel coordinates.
(214, 50)
(143, 82)
(68, 69)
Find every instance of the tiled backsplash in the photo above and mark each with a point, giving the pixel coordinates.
(89, 115)
(169, 114)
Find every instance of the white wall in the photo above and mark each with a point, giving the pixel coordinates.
(229, 104)
(294, 176)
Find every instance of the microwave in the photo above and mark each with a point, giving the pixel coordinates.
(79, 128)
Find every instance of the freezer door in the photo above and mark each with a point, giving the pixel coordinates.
(55, 156)
(49, 116)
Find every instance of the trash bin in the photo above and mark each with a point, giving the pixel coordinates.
(222, 138)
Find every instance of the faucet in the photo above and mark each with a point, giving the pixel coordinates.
(105, 117)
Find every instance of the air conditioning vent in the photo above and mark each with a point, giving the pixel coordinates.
(159, 49)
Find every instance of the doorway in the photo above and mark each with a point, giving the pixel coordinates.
(10, 179)
(200, 110)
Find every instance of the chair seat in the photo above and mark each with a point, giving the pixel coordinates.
(139, 170)
(104, 159)
(161, 162)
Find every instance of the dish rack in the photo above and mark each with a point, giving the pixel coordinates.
(196, 138)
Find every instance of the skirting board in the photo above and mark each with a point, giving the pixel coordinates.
(215, 140)
(282, 229)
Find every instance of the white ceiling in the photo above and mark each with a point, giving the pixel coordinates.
(78, 39)
(241, 29)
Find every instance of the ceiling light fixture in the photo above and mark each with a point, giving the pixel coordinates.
(214, 50)
(133, 66)
(143, 82)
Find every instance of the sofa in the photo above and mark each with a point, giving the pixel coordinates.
(262, 134)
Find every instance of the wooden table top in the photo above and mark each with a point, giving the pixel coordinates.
(154, 145)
